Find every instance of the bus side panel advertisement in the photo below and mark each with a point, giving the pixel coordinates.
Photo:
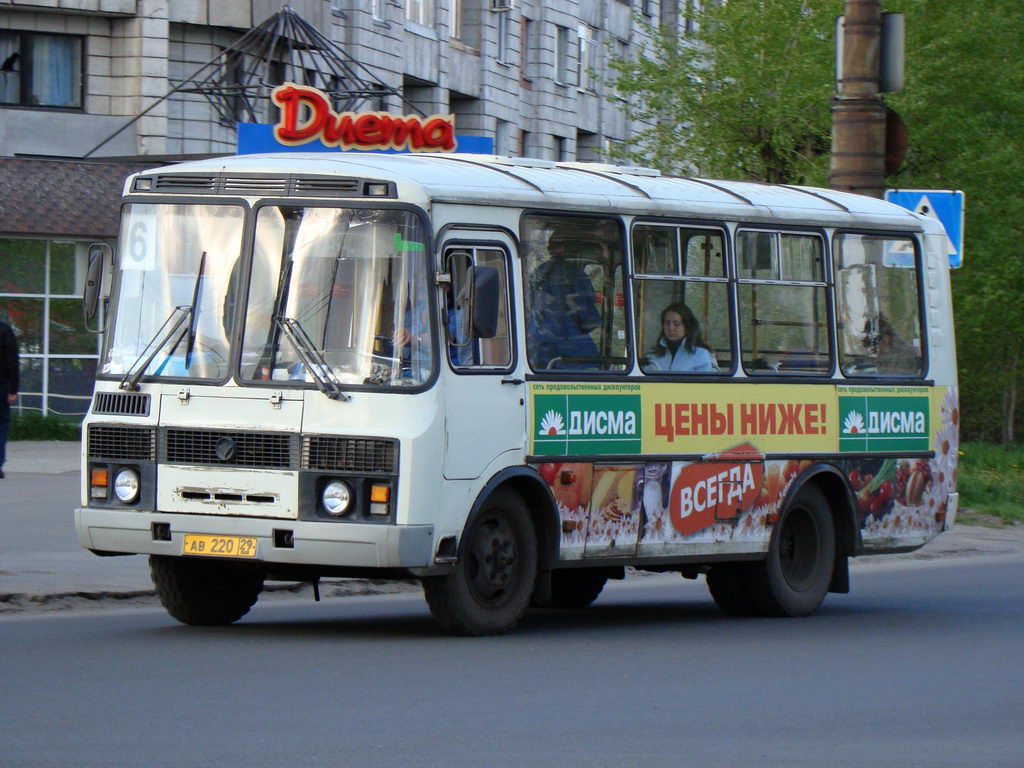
(904, 500)
(649, 508)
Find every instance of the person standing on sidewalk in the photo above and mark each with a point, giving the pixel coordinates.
(8, 385)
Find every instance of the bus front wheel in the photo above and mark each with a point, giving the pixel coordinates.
(204, 592)
(793, 579)
(490, 586)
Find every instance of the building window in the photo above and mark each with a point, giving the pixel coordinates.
(464, 23)
(40, 70)
(561, 54)
(562, 149)
(693, 9)
(587, 46)
(622, 53)
(527, 46)
(503, 31)
(420, 11)
(41, 299)
(456, 20)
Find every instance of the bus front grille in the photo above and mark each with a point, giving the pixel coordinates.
(229, 448)
(121, 404)
(349, 454)
(121, 443)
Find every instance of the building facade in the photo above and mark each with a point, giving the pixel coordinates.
(91, 90)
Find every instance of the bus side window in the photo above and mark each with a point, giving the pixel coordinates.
(465, 349)
(573, 294)
(878, 306)
(782, 304)
(681, 276)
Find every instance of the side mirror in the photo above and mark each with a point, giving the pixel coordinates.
(486, 297)
(100, 262)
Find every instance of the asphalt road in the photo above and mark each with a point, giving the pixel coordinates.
(919, 666)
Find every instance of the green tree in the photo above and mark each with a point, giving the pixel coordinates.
(746, 95)
(964, 109)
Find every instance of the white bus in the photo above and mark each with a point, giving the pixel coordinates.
(512, 379)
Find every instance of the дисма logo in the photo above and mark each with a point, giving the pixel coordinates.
(552, 424)
(853, 424)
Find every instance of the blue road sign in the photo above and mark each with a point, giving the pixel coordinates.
(945, 205)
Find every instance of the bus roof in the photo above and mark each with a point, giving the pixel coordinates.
(424, 178)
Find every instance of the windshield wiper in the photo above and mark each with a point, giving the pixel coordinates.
(194, 312)
(130, 381)
(314, 362)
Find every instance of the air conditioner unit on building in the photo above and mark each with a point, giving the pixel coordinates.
(502, 5)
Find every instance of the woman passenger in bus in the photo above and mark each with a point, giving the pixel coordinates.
(680, 348)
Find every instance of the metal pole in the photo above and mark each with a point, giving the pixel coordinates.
(858, 114)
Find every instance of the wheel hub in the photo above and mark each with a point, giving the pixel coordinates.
(495, 560)
(798, 548)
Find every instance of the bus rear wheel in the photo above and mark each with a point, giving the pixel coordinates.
(490, 586)
(204, 592)
(794, 578)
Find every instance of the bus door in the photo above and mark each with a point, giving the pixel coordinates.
(485, 413)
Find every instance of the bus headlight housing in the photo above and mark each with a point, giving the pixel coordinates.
(337, 498)
(126, 485)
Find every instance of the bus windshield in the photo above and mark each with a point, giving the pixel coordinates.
(175, 297)
(339, 295)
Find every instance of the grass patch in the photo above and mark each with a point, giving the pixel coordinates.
(990, 479)
(34, 426)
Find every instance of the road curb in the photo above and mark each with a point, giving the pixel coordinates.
(26, 602)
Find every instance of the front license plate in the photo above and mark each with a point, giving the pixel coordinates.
(219, 546)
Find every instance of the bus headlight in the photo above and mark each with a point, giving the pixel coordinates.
(126, 486)
(337, 498)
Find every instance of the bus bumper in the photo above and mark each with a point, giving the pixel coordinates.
(311, 543)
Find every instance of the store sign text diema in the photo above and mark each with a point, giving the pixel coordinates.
(685, 419)
(306, 116)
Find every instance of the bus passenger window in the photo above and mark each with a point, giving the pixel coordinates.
(465, 349)
(681, 299)
(782, 305)
(575, 317)
(878, 306)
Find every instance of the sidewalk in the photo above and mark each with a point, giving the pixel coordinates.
(42, 565)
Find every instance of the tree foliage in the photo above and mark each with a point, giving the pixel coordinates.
(746, 95)
(964, 108)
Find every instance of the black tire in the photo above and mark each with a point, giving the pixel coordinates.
(490, 586)
(794, 578)
(727, 585)
(204, 592)
(574, 588)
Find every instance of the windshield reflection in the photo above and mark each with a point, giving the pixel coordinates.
(162, 267)
(354, 281)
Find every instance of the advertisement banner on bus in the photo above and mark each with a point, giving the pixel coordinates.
(575, 419)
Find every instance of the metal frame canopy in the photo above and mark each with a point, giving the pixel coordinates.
(238, 81)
